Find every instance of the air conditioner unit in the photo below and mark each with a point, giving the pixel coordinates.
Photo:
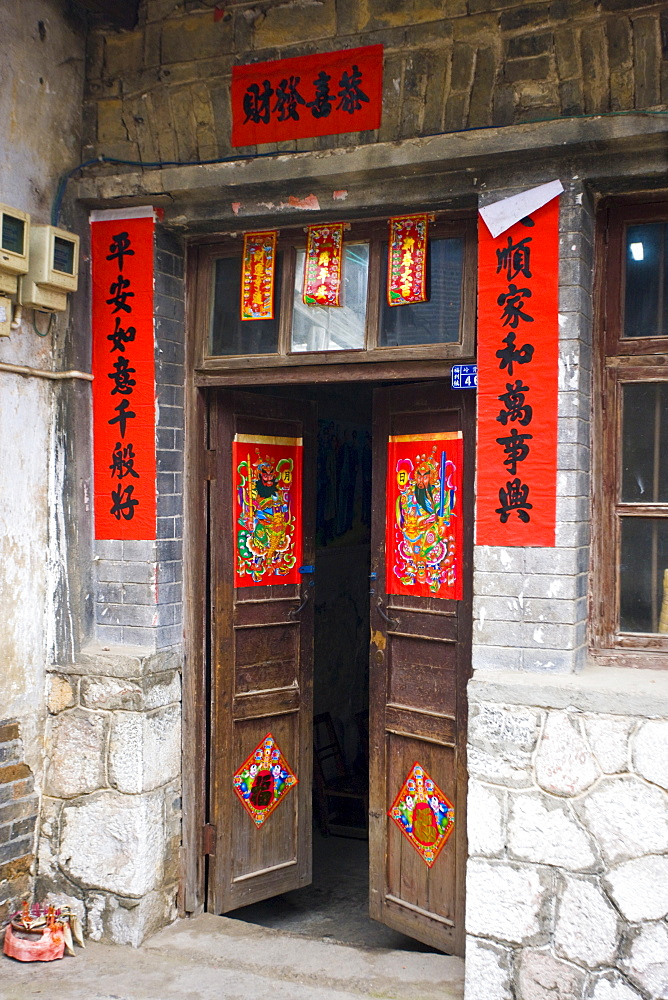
(14, 247)
(53, 270)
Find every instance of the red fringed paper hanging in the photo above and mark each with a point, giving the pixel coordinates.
(257, 276)
(407, 260)
(322, 266)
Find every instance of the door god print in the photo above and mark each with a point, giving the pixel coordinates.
(267, 509)
(424, 530)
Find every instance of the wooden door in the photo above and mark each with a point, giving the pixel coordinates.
(420, 663)
(261, 660)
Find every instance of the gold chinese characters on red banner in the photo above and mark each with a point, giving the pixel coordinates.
(322, 266)
(258, 275)
(407, 260)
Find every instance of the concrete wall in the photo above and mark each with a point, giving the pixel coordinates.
(40, 93)
(161, 92)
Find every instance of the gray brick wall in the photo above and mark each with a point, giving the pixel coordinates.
(530, 608)
(139, 584)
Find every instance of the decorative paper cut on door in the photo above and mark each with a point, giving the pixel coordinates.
(263, 780)
(267, 509)
(518, 371)
(424, 814)
(423, 526)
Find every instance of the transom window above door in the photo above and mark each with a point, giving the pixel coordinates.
(363, 327)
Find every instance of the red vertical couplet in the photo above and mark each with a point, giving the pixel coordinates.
(322, 265)
(258, 275)
(407, 260)
(424, 530)
(518, 365)
(124, 383)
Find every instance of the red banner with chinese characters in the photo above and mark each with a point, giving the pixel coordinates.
(407, 260)
(322, 94)
(267, 527)
(518, 363)
(124, 383)
(258, 275)
(322, 265)
(424, 531)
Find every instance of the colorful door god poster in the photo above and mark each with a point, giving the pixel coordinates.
(424, 529)
(322, 265)
(267, 509)
(258, 275)
(263, 780)
(423, 814)
(124, 383)
(322, 94)
(407, 260)
(518, 362)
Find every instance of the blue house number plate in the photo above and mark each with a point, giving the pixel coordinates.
(464, 376)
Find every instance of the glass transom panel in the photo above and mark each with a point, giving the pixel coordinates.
(333, 328)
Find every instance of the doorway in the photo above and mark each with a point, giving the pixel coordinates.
(286, 655)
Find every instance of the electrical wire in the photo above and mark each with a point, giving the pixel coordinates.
(48, 329)
(158, 164)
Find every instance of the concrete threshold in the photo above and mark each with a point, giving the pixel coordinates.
(209, 957)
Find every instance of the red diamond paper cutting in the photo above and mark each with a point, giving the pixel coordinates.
(263, 780)
(423, 814)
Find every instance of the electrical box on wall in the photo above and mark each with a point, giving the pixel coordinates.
(14, 247)
(53, 270)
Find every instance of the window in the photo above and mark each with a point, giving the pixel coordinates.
(631, 495)
(363, 328)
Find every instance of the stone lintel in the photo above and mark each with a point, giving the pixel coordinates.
(598, 689)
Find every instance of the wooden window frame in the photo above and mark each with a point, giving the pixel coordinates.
(290, 239)
(620, 361)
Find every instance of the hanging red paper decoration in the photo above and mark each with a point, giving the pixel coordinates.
(407, 260)
(322, 266)
(258, 275)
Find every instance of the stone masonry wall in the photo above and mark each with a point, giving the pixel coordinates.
(161, 92)
(111, 809)
(530, 604)
(18, 819)
(567, 887)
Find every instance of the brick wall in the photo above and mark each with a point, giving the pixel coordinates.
(18, 818)
(139, 590)
(161, 92)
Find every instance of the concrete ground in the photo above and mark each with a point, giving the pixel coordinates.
(215, 958)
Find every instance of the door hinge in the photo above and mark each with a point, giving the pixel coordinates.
(209, 465)
(208, 839)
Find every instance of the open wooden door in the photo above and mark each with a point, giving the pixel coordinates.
(420, 663)
(261, 648)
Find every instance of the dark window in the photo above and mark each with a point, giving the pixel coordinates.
(229, 334)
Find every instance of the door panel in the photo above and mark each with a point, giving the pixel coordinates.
(420, 662)
(261, 673)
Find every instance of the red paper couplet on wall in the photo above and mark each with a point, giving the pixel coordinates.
(322, 265)
(407, 260)
(124, 383)
(518, 362)
(258, 275)
(267, 527)
(423, 517)
(322, 94)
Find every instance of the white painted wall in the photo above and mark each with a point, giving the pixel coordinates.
(41, 82)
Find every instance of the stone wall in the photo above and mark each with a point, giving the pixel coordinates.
(161, 92)
(110, 832)
(18, 818)
(567, 884)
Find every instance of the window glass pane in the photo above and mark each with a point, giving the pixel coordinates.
(334, 328)
(644, 566)
(229, 335)
(645, 306)
(645, 442)
(435, 321)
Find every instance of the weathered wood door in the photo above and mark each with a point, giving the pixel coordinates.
(261, 663)
(420, 661)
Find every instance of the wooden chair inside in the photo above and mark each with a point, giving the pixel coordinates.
(341, 799)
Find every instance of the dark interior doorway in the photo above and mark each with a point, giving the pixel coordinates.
(335, 905)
